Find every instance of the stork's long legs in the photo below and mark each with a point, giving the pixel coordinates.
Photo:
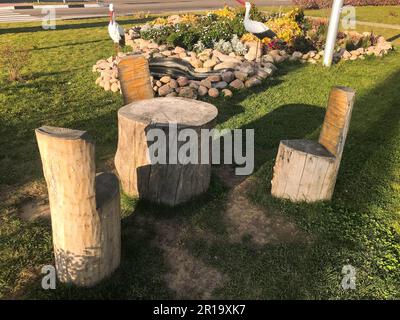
(258, 40)
(258, 44)
(116, 47)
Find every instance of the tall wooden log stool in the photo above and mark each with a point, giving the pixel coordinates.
(169, 183)
(134, 76)
(85, 207)
(307, 170)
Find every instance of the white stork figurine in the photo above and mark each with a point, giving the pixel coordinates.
(115, 31)
(258, 29)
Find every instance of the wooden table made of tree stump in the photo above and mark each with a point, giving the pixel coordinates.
(169, 183)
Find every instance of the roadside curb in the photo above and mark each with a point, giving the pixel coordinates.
(61, 6)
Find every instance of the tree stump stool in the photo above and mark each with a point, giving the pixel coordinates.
(168, 183)
(134, 76)
(85, 207)
(307, 170)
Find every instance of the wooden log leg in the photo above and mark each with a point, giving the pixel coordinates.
(85, 212)
(132, 155)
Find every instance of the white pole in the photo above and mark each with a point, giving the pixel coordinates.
(332, 32)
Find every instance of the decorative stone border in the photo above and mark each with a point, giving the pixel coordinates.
(246, 71)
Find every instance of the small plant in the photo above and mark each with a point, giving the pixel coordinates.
(223, 46)
(199, 46)
(158, 34)
(184, 36)
(238, 46)
(222, 29)
(13, 58)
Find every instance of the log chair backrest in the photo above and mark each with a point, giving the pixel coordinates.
(68, 159)
(134, 76)
(337, 120)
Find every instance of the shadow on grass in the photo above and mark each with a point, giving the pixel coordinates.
(73, 26)
(351, 227)
(144, 263)
(391, 39)
(285, 271)
(68, 45)
(339, 228)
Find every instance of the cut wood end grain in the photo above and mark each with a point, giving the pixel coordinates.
(184, 112)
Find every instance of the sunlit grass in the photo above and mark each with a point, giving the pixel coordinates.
(359, 227)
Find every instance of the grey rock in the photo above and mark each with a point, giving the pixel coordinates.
(206, 83)
(202, 91)
(237, 84)
(220, 85)
(241, 75)
(183, 81)
(164, 90)
(227, 93)
(254, 81)
(228, 76)
(213, 92)
(187, 92)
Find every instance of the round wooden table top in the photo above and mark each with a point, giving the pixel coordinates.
(182, 111)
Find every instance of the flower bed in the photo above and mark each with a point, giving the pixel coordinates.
(218, 41)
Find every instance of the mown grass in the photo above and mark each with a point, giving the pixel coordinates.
(359, 227)
(379, 14)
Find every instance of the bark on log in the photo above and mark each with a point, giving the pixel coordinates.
(306, 170)
(134, 75)
(85, 208)
(169, 183)
(300, 172)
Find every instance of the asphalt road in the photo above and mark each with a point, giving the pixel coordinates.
(124, 7)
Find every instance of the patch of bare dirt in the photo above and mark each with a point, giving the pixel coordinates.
(35, 209)
(25, 277)
(247, 219)
(29, 201)
(188, 276)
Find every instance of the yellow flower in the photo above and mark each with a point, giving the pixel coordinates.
(247, 37)
(160, 21)
(189, 19)
(285, 27)
(226, 12)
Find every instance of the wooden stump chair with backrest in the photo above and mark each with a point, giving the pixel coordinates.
(134, 76)
(307, 170)
(85, 207)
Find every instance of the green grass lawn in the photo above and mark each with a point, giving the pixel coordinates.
(387, 14)
(361, 226)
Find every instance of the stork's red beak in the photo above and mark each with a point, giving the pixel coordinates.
(241, 2)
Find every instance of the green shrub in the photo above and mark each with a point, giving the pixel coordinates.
(158, 34)
(184, 36)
